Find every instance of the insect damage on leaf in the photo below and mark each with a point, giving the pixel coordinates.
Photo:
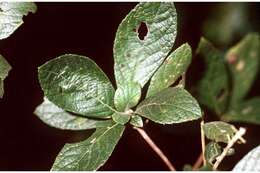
(76, 84)
(142, 31)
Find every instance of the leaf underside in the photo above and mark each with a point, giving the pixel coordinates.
(4, 70)
(11, 16)
(91, 154)
(76, 84)
(250, 162)
(56, 117)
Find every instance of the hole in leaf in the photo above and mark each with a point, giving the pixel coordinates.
(142, 31)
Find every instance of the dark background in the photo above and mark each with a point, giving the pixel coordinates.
(89, 29)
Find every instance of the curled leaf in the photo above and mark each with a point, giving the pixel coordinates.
(219, 131)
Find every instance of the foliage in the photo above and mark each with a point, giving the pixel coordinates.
(231, 19)
(228, 79)
(11, 17)
(78, 95)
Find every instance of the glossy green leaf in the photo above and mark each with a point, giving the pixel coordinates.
(250, 162)
(121, 118)
(91, 154)
(172, 105)
(136, 59)
(172, 68)
(127, 96)
(219, 131)
(4, 70)
(246, 111)
(213, 88)
(212, 151)
(136, 121)
(11, 16)
(243, 60)
(56, 117)
(76, 84)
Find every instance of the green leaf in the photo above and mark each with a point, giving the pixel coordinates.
(213, 88)
(172, 68)
(91, 154)
(212, 151)
(246, 111)
(136, 59)
(56, 117)
(219, 131)
(4, 70)
(172, 105)
(250, 162)
(136, 121)
(127, 96)
(76, 84)
(121, 118)
(187, 167)
(222, 25)
(11, 16)
(243, 61)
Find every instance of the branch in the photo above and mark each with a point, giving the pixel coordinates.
(237, 136)
(155, 148)
(198, 162)
(201, 157)
(202, 142)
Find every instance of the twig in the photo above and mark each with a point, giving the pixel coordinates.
(155, 148)
(198, 162)
(201, 157)
(202, 142)
(237, 136)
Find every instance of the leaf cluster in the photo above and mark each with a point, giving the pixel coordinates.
(79, 96)
(228, 79)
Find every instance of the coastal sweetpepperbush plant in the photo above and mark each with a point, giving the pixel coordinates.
(79, 96)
